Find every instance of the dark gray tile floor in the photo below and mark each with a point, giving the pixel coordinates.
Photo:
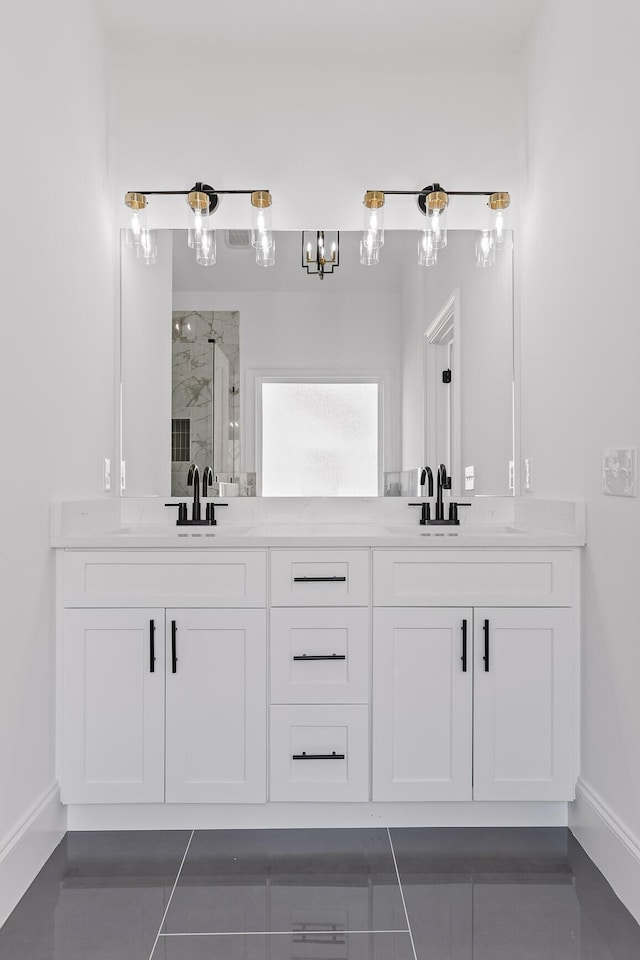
(404, 894)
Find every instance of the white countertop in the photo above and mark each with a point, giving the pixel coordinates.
(147, 524)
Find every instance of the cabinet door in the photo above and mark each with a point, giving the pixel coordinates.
(523, 705)
(216, 706)
(113, 706)
(422, 704)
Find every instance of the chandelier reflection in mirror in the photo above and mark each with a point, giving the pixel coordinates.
(320, 253)
(202, 201)
(433, 202)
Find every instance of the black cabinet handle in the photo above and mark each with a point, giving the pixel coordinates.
(486, 646)
(464, 646)
(174, 656)
(152, 646)
(326, 656)
(319, 579)
(318, 756)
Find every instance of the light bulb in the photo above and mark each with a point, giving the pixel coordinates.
(438, 227)
(137, 203)
(427, 249)
(261, 229)
(373, 228)
(499, 204)
(485, 249)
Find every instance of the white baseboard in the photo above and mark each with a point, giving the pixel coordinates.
(611, 845)
(251, 816)
(29, 845)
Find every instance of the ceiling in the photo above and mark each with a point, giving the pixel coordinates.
(339, 33)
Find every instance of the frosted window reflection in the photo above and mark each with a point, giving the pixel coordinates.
(319, 439)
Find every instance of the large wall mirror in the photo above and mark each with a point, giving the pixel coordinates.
(289, 385)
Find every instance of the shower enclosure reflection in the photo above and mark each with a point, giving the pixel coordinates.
(205, 397)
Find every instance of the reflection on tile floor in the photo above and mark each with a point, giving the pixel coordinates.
(273, 881)
(470, 894)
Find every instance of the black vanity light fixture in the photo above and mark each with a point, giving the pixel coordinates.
(320, 254)
(432, 203)
(203, 201)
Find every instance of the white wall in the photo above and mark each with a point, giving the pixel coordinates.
(57, 357)
(580, 353)
(198, 117)
(486, 344)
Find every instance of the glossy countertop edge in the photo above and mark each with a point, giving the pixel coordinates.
(114, 540)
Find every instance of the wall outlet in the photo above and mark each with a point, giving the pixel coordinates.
(123, 475)
(619, 472)
(106, 474)
(528, 474)
(512, 475)
(469, 478)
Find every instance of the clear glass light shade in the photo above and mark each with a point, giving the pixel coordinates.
(485, 249)
(266, 251)
(369, 255)
(206, 252)
(373, 230)
(437, 220)
(427, 249)
(502, 235)
(137, 223)
(261, 229)
(147, 248)
(198, 224)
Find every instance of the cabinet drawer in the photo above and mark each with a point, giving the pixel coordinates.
(165, 579)
(404, 578)
(319, 753)
(319, 655)
(308, 578)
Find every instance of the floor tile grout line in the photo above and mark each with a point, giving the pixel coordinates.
(276, 933)
(404, 904)
(173, 890)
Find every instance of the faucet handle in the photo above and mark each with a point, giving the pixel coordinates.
(453, 510)
(425, 515)
(182, 511)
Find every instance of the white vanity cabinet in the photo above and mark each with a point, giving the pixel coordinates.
(319, 642)
(163, 704)
(492, 683)
(308, 676)
(112, 708)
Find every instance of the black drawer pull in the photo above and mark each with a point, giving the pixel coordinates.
(152, 646)
(486, 646)
(174, 654)
(464, 646)
(325, 656)
(318, 756)
(319, 579)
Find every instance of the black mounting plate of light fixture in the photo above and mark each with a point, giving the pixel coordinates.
(214, 199)
(422, 196)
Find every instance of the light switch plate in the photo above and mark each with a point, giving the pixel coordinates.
(106, 474)
(619, 472)
(469, 478)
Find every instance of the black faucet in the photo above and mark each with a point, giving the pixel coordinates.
(193, 478)
(425, 511)
(426, 473)
(207, 478)
(444, 483)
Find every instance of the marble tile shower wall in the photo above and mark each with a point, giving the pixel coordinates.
(191, 395)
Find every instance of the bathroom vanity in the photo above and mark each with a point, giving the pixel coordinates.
(326, 671)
